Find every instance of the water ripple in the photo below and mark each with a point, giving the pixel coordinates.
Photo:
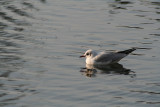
(40, 41)
(135, 27)
(18, 11)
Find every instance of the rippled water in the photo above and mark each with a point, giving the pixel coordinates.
(40, 45)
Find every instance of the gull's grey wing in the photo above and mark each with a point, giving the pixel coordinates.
(112, 57)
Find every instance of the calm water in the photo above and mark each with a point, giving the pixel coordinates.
(40, 45)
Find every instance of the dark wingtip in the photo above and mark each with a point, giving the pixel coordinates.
(128, 51)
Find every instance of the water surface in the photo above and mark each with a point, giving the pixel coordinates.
(40, 45)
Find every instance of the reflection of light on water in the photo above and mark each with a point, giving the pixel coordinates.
(13, 40)
(116, 69)
(36, 38)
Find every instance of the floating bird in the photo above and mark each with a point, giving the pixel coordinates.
(103, 58)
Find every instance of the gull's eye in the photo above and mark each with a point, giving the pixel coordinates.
(87, 54)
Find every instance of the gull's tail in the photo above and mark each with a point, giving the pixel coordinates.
(128, 51)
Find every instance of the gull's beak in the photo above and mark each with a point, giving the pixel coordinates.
(82, 56)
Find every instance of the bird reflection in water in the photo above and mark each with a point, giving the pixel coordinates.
(115, 69)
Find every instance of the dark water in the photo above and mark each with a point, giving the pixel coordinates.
(40, 45)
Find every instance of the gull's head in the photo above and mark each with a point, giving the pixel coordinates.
(89, 54)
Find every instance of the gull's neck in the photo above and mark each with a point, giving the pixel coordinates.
(94, 53)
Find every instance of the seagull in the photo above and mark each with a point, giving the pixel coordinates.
(105, 58)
